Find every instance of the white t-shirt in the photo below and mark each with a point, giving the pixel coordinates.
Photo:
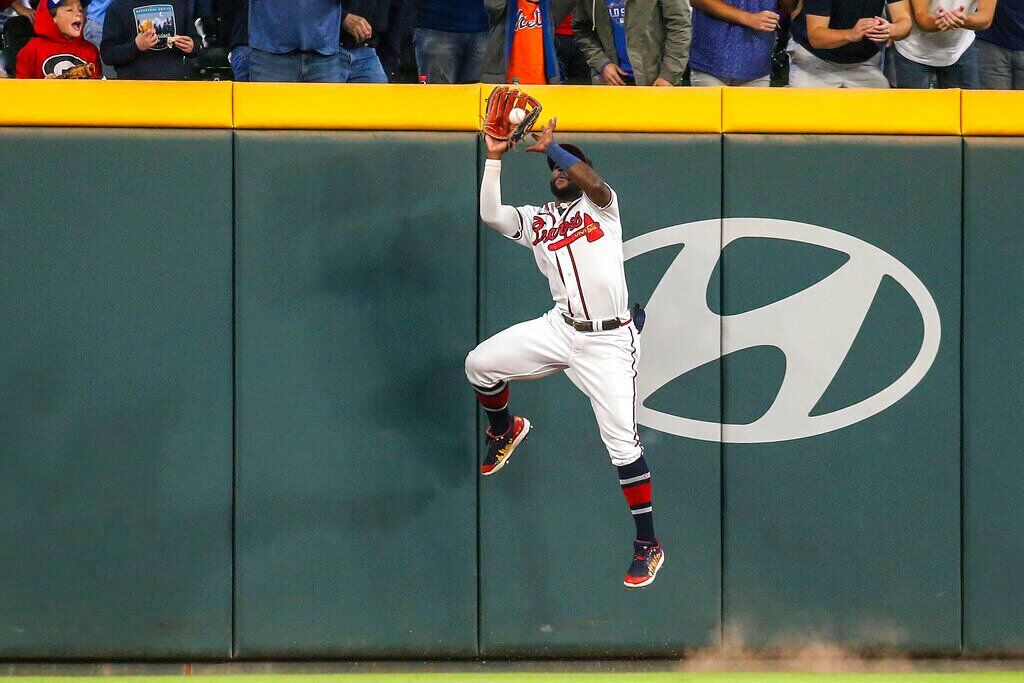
(941, 48)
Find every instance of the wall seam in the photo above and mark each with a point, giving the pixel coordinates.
(721, 394)
(963, 284)
(476, 412)
(234, 373)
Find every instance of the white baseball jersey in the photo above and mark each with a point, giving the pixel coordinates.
(578, 247)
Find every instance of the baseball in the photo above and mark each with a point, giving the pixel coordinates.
(517, 116)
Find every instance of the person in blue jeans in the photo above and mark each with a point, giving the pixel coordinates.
(1001, 48)
(366, 21)
(296, 41)
(940, 48)
(93, 30)
(450, 39)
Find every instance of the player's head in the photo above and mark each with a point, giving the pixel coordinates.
(563, 188)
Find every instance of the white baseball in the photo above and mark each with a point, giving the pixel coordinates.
(517, 116)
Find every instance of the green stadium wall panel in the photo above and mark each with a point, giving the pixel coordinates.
(115, 394)
(993, 398)
(555, 531)
(845, 535)
(356, 297)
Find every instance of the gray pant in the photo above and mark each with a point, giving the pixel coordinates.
(999, 68)
(93, 32)
(704, 80)
(808, 71)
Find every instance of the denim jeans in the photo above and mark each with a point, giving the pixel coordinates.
(572, 65)
(363, 65)
(295, 67)
(963, 73)
(1000, 68)
(449, 57)
(240, 58)
(93, 32)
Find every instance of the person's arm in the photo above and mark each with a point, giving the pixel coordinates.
(897, 28)
(22, 10)
(586, 38)
(719, 9)
(505, 219)
(923, 18)
(118, 49)
(982, 18)
(580, 173)
(824, 38)
(676, 14)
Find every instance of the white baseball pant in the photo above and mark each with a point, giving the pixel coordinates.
(605, 364)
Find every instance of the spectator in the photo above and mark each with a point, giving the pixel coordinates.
(521, 46)
(58, 45)
(296, 41)
(941, 44)
(94, 15)
(836, 43)
(23, 16)
(144, 41)
(1001, 48)
(361, 31)
(572, 65)
(651, 51)
(450, 39)
(240, 53)
(733, 41)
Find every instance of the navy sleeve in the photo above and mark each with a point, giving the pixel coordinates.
(118, 44)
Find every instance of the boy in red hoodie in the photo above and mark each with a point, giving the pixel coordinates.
(58, 46)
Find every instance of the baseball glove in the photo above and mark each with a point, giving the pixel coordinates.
(500, 104)
(86, 70)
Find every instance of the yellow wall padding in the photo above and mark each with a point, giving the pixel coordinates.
(607, 109)
(131, 104)
(356, 106)
(792, 110)
(992, 112)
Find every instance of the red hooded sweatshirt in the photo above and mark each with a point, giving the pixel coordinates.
(51, 53)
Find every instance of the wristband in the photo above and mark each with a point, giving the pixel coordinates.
(561, 158)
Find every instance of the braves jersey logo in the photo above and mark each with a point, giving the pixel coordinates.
(580, 225)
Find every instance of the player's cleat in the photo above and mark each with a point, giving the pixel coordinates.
(499, 448)
(647, 560)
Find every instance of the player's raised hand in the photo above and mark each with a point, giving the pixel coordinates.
(544, 138)
(496, 147)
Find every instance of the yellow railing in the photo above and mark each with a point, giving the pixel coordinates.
(458, 108)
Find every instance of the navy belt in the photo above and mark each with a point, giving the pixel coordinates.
(595, 325)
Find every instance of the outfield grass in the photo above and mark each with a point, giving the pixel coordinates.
(659, 677)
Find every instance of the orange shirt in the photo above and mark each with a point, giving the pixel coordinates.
(526, 61)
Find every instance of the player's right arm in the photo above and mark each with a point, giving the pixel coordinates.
(505, 219)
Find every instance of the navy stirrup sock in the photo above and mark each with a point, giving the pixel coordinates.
(495, 403)
(635, 480)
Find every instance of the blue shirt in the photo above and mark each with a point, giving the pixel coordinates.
(1007, 28)
(455, 16)
(617, 12)
(281, 26)
(728, 50)
(97, 9)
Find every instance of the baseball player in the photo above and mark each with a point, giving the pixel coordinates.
(577, 243)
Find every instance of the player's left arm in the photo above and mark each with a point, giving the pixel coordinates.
(581, 174)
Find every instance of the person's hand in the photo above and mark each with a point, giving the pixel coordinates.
(146, 40)
(881, 32)
(860, 29)
(544, 138)
(661, 83)
(185, 44)
(763, 21)
(495, 147)
(613, 75)
(950, 20)
(358, 27)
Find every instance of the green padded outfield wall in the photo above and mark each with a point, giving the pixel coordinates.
(115, 394)
(555, 531)
(851, 535)
(356, 482)
(993, 394)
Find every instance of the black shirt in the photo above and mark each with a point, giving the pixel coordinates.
(843, 14)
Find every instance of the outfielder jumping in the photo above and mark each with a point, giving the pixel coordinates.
(577, 243)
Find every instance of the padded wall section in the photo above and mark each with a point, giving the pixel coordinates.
(993, 399)
(847, 282)
(115, 394)
(556, 534)
(356, 303)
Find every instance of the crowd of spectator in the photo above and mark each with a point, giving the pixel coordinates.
(661, 43)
